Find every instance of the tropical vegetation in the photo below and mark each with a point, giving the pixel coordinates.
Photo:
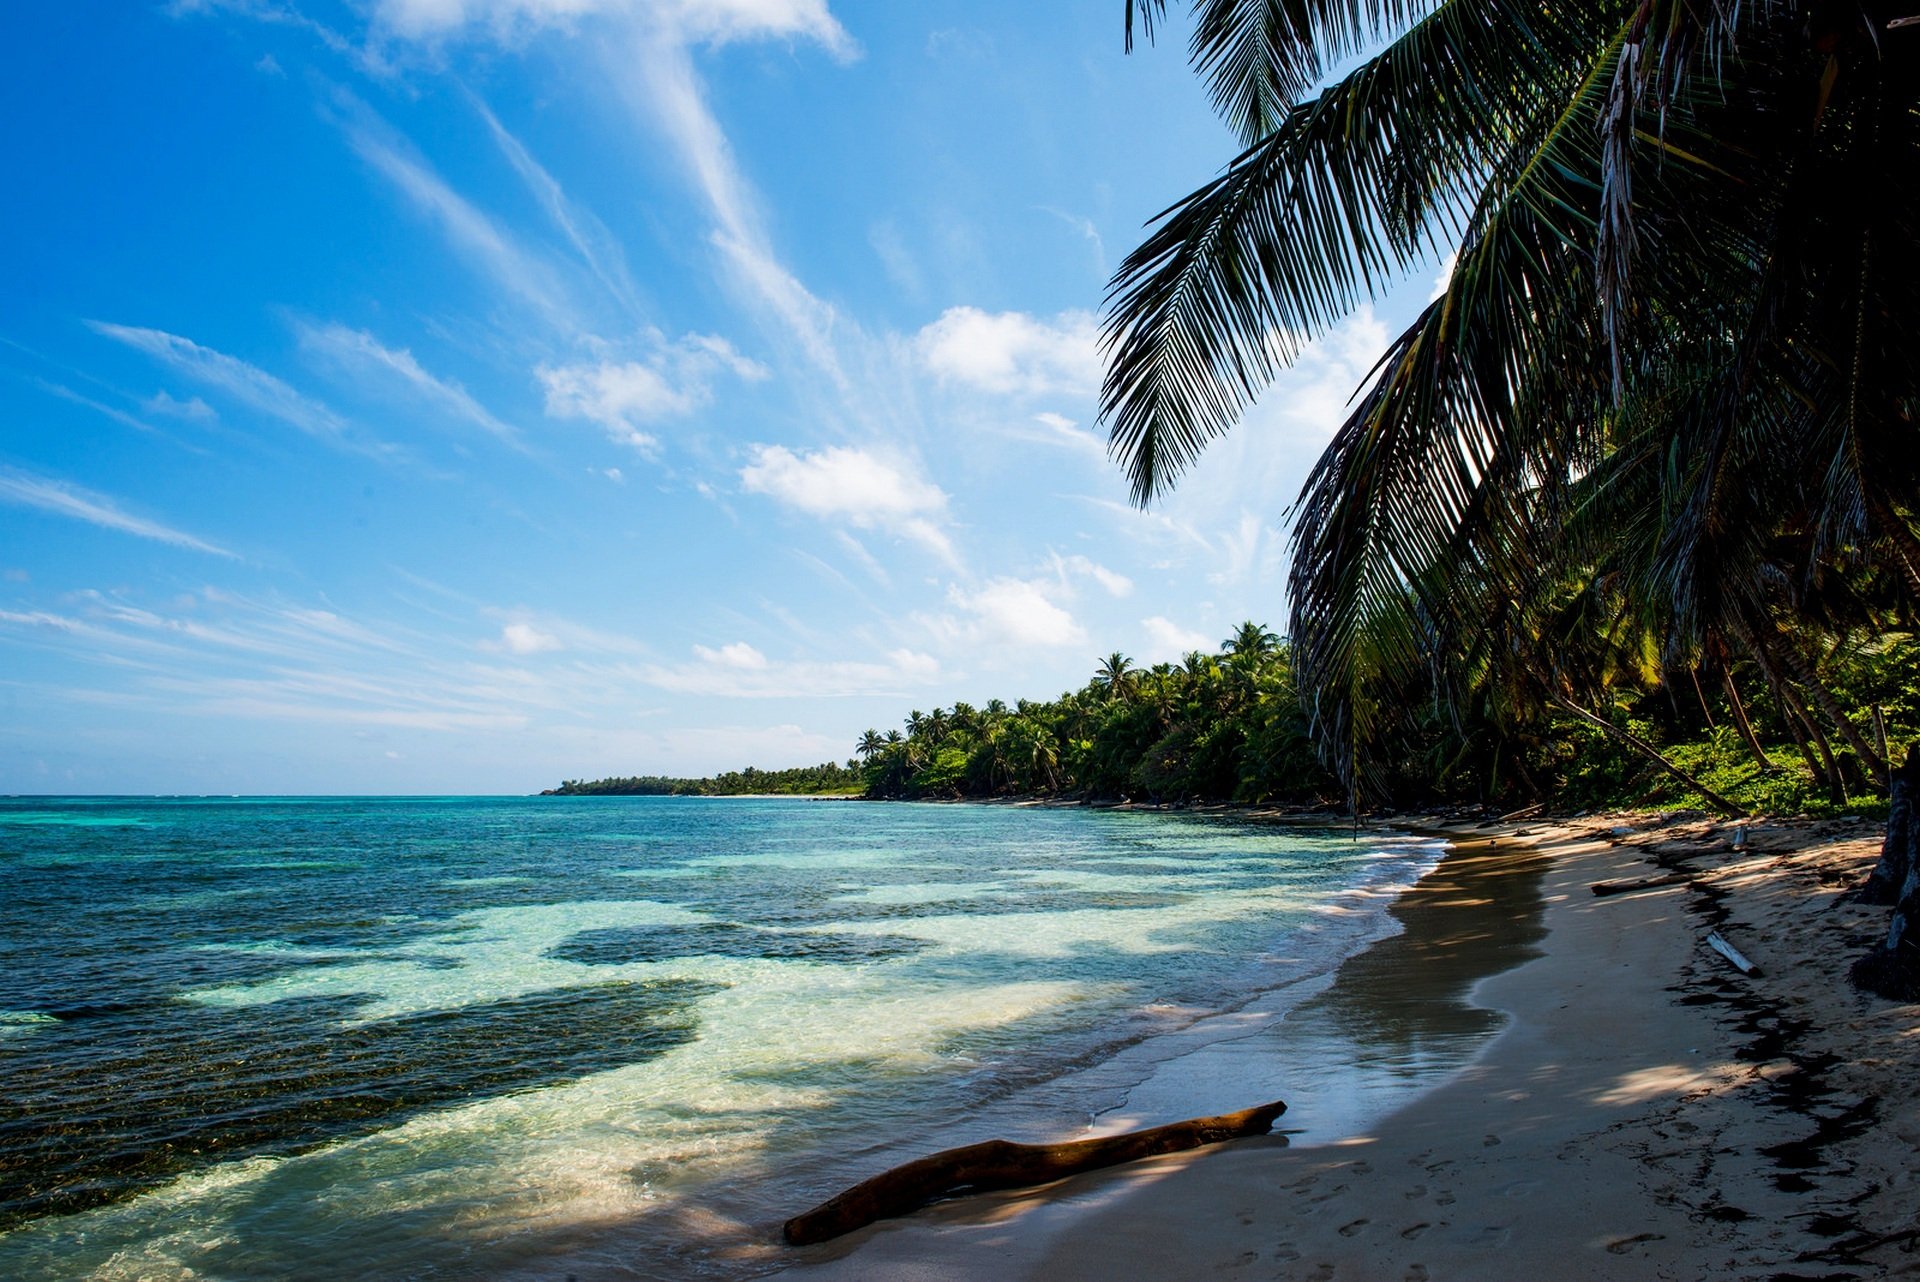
(827, 777)
(1658, 423)
(1230, 727)
(1657, 429)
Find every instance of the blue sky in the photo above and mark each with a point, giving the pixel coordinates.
(460, 395)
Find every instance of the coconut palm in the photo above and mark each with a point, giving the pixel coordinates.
(1667, 376)
(1117, 673)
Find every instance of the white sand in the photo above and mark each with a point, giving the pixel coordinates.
(1617, 1128)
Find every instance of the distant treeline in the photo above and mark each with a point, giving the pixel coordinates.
(828, 776)
(1231, 727)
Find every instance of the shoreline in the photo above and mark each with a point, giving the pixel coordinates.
(1647, 1112)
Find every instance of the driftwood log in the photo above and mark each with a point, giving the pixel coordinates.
(1003, 1164)
(1640, 883)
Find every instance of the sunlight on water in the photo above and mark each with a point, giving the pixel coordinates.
(433, 1038)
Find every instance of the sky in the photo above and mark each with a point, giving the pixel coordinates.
(459, 396)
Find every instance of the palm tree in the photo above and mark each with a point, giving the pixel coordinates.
(1252, 640)
(1666, 376)
(1116, 672)
(870, 743)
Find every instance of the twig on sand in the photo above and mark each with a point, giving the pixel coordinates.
(1719, 944)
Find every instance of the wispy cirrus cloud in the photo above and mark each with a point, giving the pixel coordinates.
(247, 384)
(703, 21)
(590, 238)
(361, 353)
(472, 234)
(46, 494)
(738, 670)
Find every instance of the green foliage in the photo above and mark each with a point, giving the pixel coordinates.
(1219, 727)
(827, 777)
(1230, 727)
(1660, 420)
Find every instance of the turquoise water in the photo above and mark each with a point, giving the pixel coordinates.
(450, 1038)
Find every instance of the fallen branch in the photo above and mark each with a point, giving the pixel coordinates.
(1003, 1164)
(1641, 883)
(1651, 753)
(1719, 944)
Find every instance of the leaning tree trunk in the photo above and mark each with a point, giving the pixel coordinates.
(1892, 969)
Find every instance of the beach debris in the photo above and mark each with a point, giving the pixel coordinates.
(1719, 944)
(1640, 883)
(1004, 1164)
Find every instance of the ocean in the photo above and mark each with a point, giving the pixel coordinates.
(457, 1037)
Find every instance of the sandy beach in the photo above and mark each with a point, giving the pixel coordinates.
(1646, 1111)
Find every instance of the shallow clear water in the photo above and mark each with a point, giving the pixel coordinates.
(443, 1037)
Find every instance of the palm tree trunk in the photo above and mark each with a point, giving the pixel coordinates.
(1892, 968)
(1797, 711)
(1701, 695)
(1875, 764)
(1650, 752)
(1740, 720)
(1799, 724)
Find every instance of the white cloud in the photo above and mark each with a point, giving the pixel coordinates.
(1009, 612)
(738, 655)
(469, 231)
(672, 381)
(62, 499)
(740, 671)
(248, 384)
(1085, 229)
(192, 409)
(1115, 583)
(712, 21)
(361, 352)
(590, 238)
(841, 483)
(1444, 278)
(1168, 641)
(1013, 353)
(524, 638)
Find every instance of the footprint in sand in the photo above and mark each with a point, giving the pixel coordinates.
(1416, 1273)
(1415, 1193)
(1627, 1244)
(1443, 1198)
(1348, 1230)
(1321, 1273)
(1490, 1142)
(1415, 1231)
(1286, 1251)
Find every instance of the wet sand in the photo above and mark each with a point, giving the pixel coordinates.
(1647, 1112)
